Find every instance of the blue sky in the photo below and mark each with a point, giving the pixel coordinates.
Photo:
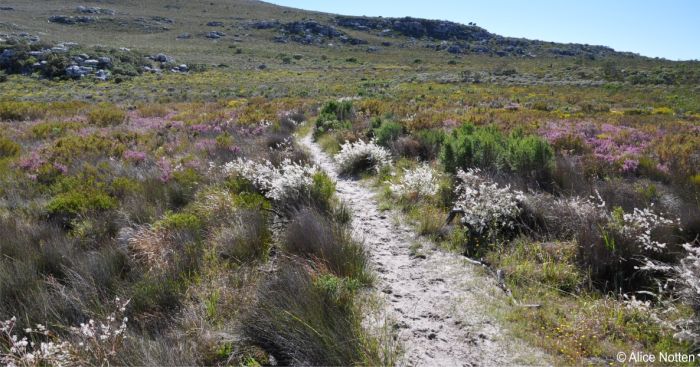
(669, 29)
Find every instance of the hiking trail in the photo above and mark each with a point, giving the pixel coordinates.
(437, 300)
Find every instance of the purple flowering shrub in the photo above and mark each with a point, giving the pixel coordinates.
(618, 148)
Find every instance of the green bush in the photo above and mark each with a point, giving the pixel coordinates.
(53, 129)
(388, 132)
(180, 221)
(430, 143)
(106, 114)
(322, 191)
(20, 111)
(528, 154)
(488, 148)
(334, 115)
(66, 206)
(8, 148)
(69, 148)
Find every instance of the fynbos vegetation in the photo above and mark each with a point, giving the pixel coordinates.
(181, 188)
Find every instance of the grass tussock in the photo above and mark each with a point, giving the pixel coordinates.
(303, 318)
(330, 245)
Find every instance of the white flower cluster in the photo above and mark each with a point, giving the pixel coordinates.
(353, 154)
(639, 224)
(89, 342)
(486, 206)
(22, 352)
(688, 273)
(418, 182)
(290, 180)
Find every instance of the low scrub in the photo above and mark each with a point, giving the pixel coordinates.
(334, 115)
(359, 156)
(489, 210)
(290, 185)
(8, 148)
(20, 111)
(106, 115)
(487, 148)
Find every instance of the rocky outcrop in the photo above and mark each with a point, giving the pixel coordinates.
(417, 28)
(307, 32)
(215, 35)
(94, 10)
(70, 20)
(265, 24)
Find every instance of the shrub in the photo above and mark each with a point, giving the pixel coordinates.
(487, 148)
(360, 156)
(288, 185)
(106, 115)
(529, 155)
(180, 221)
(416, 183)
(20, 111)
(53, 129)
(8, 148)
(328, 143)
(89, 344)
(551, 263)
(68, 205)
(430, 143)
(334, 115)
(387, 133)
(556, 218)
(152, 110)
(154, 296)
(322, 191)
(488, 208)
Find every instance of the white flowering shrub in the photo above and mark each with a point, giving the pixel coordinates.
(91, 343)
(22, 352)
(359, 155)
(418, 182)
(487, 207)
(639, 224)
(688, 274)
(289, 181)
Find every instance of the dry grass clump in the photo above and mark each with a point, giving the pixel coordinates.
(300, 321)
(315, 237)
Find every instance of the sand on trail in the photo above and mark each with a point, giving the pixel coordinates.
(436, 301)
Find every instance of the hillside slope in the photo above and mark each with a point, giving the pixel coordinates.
(244, 34)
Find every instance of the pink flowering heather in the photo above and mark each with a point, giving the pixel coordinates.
(134, 156)
(166, 169)
(450, 124)
(60, 168)
(32, 162)
(205, 145)
(620, 146)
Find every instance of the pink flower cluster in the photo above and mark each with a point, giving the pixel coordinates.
(620, 146)
(134, 156)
